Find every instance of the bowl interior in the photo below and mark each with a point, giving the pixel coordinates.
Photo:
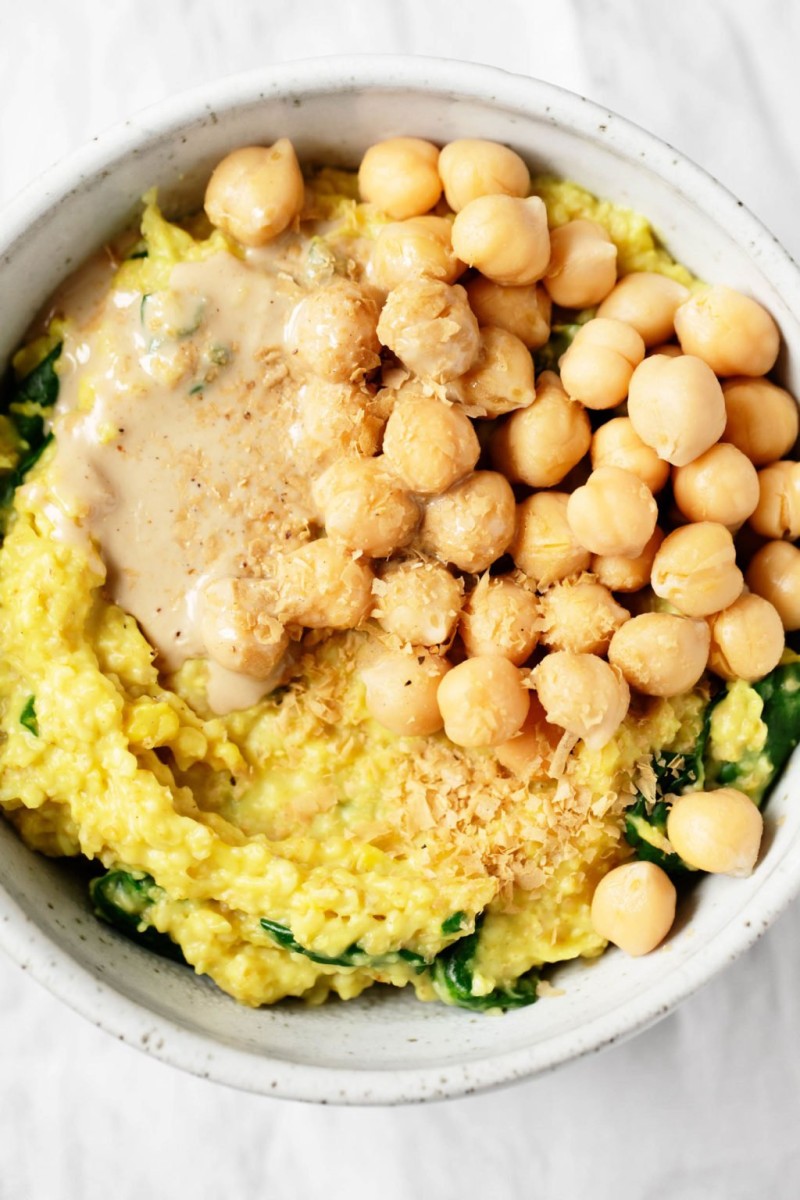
(383, 1046)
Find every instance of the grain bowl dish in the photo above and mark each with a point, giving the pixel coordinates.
(397, 572)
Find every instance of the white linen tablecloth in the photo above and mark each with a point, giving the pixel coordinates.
(705, 1106)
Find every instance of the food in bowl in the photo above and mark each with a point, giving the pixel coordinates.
(364, 625)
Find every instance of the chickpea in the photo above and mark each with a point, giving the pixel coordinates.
(695, 569)
(472, 524)
(401, 176)
(668, 349)
(661, 654)
(322, 586)
(471, 167)
(580, 617)
(502, 378)
(332, 332)
(747, 639)
(256, 192)
(717, 831)
(419, 602)
(428, 444)
(505, 238)
(338, 418)
(544, 546)
(634, 907)
(729, 331)
(483, 701)
(413, 249)
(401, 691)
(541, 444)
(598, 366)
(500, 617)
(237, 631)
(530, 752)
(430, 326)
(621, 574)
(762, 419)
(583, 264)
(676, 406)
(774, 573)
(721, 485)
(777, 513)
(523, 311)
(613, 513)
(582, 694)
(364, 506)
(617, 444)
(647, 301)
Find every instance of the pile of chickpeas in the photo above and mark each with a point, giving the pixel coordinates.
(527, 551)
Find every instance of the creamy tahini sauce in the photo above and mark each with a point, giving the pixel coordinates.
(178, 451)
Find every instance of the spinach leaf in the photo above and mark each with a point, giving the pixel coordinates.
(645, 827)
(453, 980)
(40, 386)
(29, 426)
(27, 718)
(122, 898)
(676, 773)
(454, 923)
(780, 693)
(9, 483)
(26, 407)
(32, 457)
(353, 956)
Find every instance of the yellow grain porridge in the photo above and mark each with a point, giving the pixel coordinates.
(372, 603)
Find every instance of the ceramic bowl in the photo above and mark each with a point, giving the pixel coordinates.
(384, 1047)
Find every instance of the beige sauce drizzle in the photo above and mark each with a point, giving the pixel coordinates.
(182, 462)
(228, 691)
(81, 294)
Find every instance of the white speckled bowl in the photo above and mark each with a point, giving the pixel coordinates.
(382, 1048)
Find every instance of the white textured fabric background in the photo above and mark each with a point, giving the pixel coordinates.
(706, 1106)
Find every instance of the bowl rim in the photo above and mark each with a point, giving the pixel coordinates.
(133, 1023)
